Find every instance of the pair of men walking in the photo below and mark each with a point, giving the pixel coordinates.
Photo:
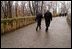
(48, 18)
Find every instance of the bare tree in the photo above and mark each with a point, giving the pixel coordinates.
(42, 6)
(4, 8)
(36, 7)
(65, 6)
(10, 9)
(30, 8)
(23, 7)
(16, 6)
(33, 5)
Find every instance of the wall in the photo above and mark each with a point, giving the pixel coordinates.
(11, 24)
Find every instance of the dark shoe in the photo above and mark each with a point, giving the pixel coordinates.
(36, 29)
(46, 30)
(40, 28)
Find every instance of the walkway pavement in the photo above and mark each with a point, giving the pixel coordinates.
(58, 36)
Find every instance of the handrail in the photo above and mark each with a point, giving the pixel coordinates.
(10, 24)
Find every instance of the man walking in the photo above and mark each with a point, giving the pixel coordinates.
(38, 19)
(48, 18)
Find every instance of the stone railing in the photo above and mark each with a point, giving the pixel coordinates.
(11, 24)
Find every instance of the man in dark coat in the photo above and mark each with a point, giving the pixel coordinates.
(48, 18)
(38, 19)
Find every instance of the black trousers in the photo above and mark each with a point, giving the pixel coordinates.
(47, 24)
(38, 25)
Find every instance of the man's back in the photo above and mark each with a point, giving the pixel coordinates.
(48, 16)
(39, 17)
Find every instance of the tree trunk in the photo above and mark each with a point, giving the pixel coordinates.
(2, 8)
(16, 6)
(30, 8)
(33, 5)
(10, 12)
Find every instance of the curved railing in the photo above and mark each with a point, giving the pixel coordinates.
(11, 24)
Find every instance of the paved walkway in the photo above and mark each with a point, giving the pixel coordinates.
(58, 36)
